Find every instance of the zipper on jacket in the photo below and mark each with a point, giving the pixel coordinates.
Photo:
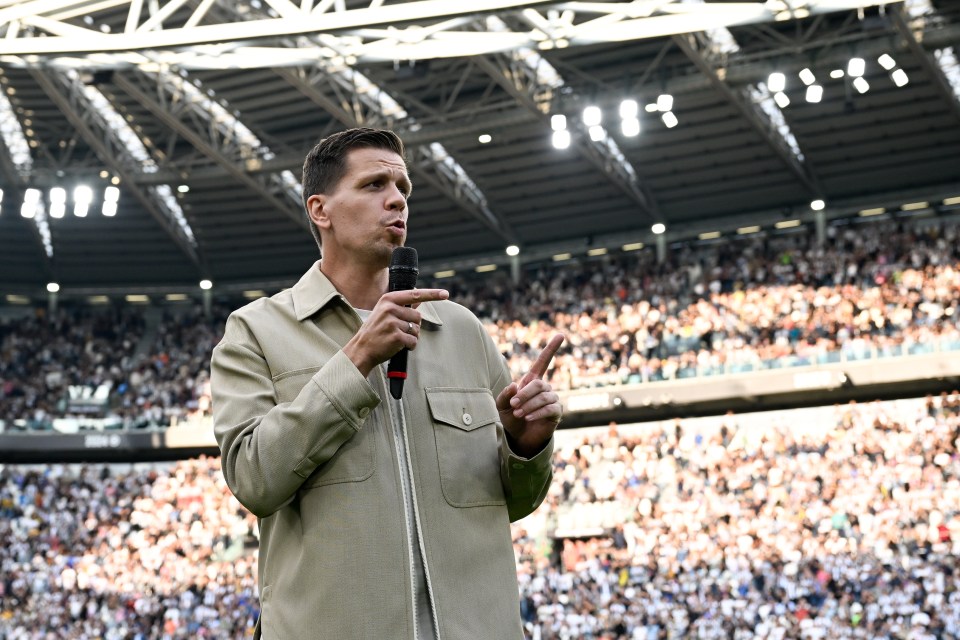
(411, 517)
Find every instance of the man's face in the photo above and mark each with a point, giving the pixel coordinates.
(365, 214)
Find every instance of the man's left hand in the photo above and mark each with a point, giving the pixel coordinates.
(530, 409)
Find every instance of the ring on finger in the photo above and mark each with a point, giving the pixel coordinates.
(410, 328)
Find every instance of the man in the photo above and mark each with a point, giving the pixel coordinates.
(379, 519)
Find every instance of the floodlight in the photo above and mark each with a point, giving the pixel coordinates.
(484, 138)
(781, 99)
(629, 109)
(665, 102)
(630, 127)
(513, 250)
(31, 199)
(658, 228)
(111, 194)
(558, 122)
(814, 93)
(109, 209)
(561, 139)
(818, 205)
(861, 85)
(53, 287)
(899, 77)
(669, 119)
(206, 285)
(807, 77)
(776, 82)
(597, 133)
(837, 73)
(592, 116)
(887, 62)
(856, 67)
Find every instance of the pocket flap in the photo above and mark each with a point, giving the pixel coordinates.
(465, 409)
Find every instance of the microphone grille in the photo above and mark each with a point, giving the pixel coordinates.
(403, 269)
(404, 258)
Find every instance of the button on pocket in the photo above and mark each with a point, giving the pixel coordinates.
(465, 426)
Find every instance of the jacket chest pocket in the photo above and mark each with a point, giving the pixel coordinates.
(354, 461)
(465, 424)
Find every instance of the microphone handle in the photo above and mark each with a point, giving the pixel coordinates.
(397, 372)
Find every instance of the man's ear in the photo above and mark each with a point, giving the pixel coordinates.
(317, 211)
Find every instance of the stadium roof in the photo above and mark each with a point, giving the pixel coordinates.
(201, 111)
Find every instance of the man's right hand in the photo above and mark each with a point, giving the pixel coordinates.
(394, 324)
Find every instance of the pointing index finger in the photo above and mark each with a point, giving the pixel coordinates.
(416, 296)
(539, 367)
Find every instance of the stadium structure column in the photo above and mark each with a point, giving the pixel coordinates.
(207, 303)
(515, 269)
(51, 304)
(661, 248)
(820, 221)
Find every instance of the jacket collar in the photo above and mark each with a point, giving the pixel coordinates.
(314, 291)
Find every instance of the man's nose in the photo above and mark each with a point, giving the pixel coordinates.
(396, 199)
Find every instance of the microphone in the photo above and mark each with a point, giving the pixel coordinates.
(403, 276)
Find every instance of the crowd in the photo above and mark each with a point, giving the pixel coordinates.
(52, 367)
(876, 290)
(871, 291)
(832, 522)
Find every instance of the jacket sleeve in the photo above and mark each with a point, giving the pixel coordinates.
(269, 448)
(525, 480)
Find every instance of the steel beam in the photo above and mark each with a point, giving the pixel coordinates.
(172, 112)
(432, 165)
(912, 37)
(112, 153)
(753, 115)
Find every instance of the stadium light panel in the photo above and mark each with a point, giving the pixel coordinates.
(776, 82)
(951, 201)
(861, 85)
(484, 138)
(876, 211)
(632, 246)
(658, 228)
(82, 197)
(58, 209)
(856, 67)
(887, 62)
(630, 127)
(560, 257)
(111, 194)
(669, 119)
(53, 287)
(558, 122)
(592, 116)
(109, 209)
(486, 268)
(599, 251)
(561, 139)
(787, 224)
(513, 250)
(837, 73)
(651, 108)
(449, 273)
(782, 100)
(814, 93)
(899, 77)
(206, 285)
(665, 102)
(31, 199)
(597, 133)
(818, 205)
(177, 297)
(629, 109)
(807, 77)
(914, 206)
(709, 235)
(748, 230)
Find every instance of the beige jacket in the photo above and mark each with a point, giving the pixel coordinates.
(308, 447)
